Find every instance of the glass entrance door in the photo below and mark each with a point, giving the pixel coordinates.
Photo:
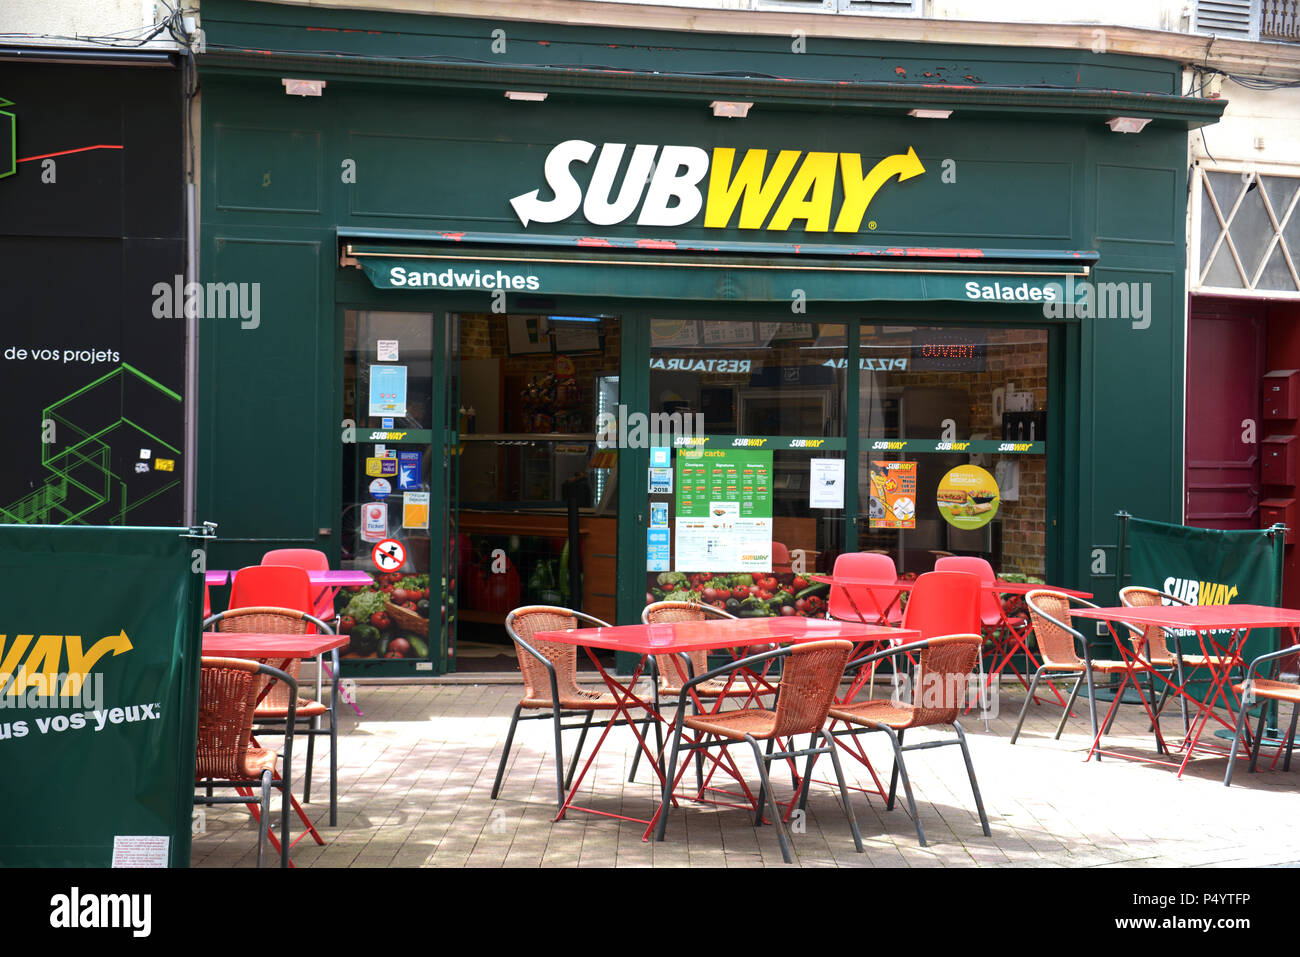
(534, 493)
(953, 445)
(392, 491)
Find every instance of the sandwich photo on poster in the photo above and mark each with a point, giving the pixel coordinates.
(893, 495)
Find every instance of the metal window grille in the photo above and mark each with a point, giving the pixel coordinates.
(1249, 235)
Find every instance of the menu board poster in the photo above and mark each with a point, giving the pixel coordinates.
(724, 510)
(893, 495)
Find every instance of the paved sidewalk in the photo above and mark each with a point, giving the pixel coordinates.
(416, 772)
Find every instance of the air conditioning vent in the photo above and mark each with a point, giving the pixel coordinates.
(1224, 18)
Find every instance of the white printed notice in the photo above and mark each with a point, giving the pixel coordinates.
(826, 483)
(140, 850)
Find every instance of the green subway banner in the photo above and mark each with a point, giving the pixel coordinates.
(1206, 566)
(99, 661)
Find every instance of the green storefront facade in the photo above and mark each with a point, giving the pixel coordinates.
(828, 277)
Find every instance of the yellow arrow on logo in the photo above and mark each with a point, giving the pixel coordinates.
(79, 664)
(859, 191)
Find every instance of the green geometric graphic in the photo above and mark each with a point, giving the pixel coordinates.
(114, 408)
(8, 140)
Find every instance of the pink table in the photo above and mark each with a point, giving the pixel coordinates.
(1206, 621)
(676, 637)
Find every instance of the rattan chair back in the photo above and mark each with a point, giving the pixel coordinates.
(524, 623)
(268, 621)
(809, 680)
(227, 698)
(668, 612)
(1138, 596)
(942, 679)
(1055, 643)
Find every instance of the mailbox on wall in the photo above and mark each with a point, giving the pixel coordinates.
(1281, 394)
(1278, 511)
(1278, 460)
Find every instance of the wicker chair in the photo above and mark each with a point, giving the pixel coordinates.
(809, 679)
(228, 689)
(272, 711)
(1270, 689)
(1151, 643)
(550, 676)
(1050, 612)
(945, 665)
(667, 674)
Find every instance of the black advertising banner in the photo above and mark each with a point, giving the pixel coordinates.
(1205, 566)
(91, 229)
(99, 663)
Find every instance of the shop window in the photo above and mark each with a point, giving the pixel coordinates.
(740, 519)
(953, 439)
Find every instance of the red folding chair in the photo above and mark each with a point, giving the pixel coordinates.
(308, 559)
(286, 586)
(990, 605)
(947, 602)
(780, 558)
(872, 598)
(312, 559)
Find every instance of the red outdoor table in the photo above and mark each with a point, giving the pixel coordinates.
(1020, 639)
(674, 638)
(1206, 621)
(233, 644)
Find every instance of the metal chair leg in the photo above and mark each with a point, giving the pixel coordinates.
(771, 798)
(844, 792)
(577, 752)
(1236, 740)
(1069, 706)
(266, 817)
(763, 787)
(1259, 737)
(970, 773)
(558, 722)
(311, 751)
(1092, 705)
(1290, 737)
(1024, 708)
(334, 748)
(662, 827)
(505, 752)
(896, 739)
(645, 730)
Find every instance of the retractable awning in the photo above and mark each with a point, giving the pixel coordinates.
(754, 272)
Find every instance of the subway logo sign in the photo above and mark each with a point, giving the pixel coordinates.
(666, 186)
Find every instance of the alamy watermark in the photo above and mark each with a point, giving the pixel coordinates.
(41, 691)
(1129, 301)
(939, 692)
(179, 299)
(641, 430)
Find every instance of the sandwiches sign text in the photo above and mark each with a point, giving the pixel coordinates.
(665, 186)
